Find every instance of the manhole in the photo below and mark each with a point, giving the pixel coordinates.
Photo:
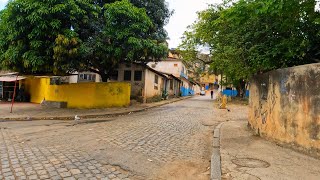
(250, 163)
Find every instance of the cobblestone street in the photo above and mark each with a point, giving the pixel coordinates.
(168, 142)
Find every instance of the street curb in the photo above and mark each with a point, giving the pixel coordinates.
(93, 115)
(216, 156)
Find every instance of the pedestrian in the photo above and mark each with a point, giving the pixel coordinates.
(211, 94)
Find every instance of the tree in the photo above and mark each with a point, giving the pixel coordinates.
(28, 30)
(65, 36)
(254, 36)
(126, 36)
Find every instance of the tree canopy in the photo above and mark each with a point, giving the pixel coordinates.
(55, 36)
(247, 37)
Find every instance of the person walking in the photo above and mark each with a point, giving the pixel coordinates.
(211, 94)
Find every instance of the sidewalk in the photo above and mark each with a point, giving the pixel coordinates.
(245, 156)
(29, 111)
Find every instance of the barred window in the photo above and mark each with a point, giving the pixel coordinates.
(137, 75)
(127, 76)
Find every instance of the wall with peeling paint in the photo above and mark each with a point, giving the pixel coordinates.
(285, 106)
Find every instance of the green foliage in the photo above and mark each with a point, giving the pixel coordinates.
(28, 30)
(124, 34)
(254, 36)
(55, 36)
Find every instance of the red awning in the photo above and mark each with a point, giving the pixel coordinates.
(11, 78)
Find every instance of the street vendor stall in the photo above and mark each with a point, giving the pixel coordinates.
(9, 83)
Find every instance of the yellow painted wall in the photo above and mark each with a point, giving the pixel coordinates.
(81, 95)
(208, 78)
(285, 106)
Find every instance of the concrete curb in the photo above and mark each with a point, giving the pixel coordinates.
(216, 156)
(93, 115)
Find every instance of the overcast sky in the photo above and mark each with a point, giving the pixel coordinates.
(3, 3)
(185, 14)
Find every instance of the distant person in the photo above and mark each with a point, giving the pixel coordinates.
(211, 94)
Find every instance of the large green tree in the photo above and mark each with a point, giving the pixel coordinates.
(247, 37)
(55, 36)
(29, 28)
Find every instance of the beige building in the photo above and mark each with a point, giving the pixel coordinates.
(175, 66)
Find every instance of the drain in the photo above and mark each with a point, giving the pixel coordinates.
(250, 163)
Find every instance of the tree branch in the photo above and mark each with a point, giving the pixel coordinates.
(204, 61)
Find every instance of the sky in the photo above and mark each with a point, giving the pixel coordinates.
(3, 3)
(185, 13)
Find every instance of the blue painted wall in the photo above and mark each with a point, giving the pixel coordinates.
(186, 91)
(233, 93)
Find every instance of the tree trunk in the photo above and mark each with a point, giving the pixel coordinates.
(241, 88)
(104, 77)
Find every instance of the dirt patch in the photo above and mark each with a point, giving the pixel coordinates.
(184, 171)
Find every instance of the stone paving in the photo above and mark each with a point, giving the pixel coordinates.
(141, 143)
(20, 161)
(165, 136)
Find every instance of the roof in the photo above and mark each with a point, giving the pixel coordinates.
(171, 75)
(155, 71)
(11, 78)
(150, 69)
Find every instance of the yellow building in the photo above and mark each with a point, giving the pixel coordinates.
(208, 81)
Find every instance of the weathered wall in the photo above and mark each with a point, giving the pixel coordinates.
(172, 66)
(149, 89)
(136, 86)
(285, 105)
(81, 95)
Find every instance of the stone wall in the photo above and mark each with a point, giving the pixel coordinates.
(285, 106)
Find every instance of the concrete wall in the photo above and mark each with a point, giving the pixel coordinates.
(285, 106)
(81, 95)
(186, 88)
(175, 90)
(149, 90)
(173, 66)
(196, 89)
(136, 86)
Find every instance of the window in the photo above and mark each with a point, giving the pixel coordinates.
(156, 80)
(137, 75)
(114, 75)
(127, 76)
(171, 84)
(87, 77)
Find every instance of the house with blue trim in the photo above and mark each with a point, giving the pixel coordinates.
(175, 66)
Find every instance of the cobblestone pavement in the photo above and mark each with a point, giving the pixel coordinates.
(20, 161)
(136, 146)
